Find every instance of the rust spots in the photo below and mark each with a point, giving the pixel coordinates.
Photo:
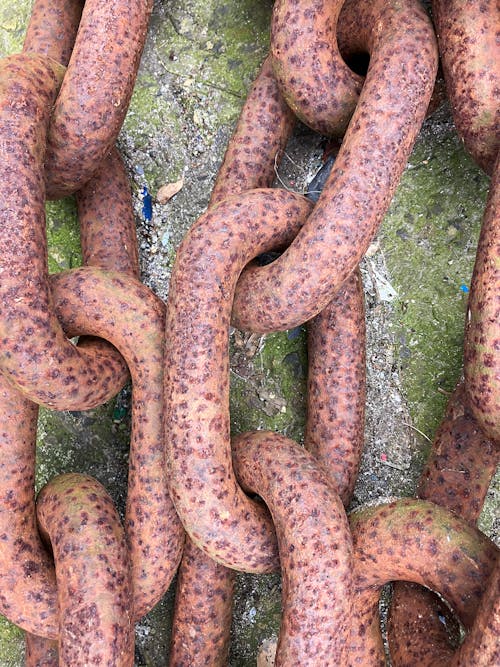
(94, 594)
(380, 136)
(264, 126)
(314, 544)
(28, 325)
(52, 28)
(460, 572)
(467, 32)
(90, 301)
(196, 366)
(203, 608)
(456, 476)
(336, 387)
(94, 99)
(482, 331)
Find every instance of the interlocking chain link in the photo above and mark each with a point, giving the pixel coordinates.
(71, 575)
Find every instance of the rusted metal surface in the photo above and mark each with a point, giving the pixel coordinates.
(108, 237)
(482, 334)
(316, 82)
(52, 28)
(461, 463)
(101, 44)
(413, 540)
(421, 628)
(96, 91)
(456, 476)
(35, 355)
(126, 313)
(314, 544)
(482, 646)
(41, 652)
(264, 126)
(202, 613)
(94, 583)
(217, 515)
(181, 475)
(106, 219)
(336, 389)
(355, 198)
(134, 323)
(467, 32)
(465, 451)
(27, 581)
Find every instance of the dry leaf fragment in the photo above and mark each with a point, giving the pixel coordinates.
(166, 192)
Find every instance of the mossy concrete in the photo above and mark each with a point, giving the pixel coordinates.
(429, 239)
(199, 60)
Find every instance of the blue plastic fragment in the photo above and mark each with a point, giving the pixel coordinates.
(147, 204)
(294, 333)
(464, 288)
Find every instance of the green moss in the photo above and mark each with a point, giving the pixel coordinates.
(152, 113)
(63, 236)
(212, 50)
(13, 21)
(257, 615)
(272, 395)
(94, 442)
(429, 238)
(11, 644)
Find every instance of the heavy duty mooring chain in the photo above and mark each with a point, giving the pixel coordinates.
(70, 575)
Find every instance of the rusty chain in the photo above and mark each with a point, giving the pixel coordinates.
(70, 575)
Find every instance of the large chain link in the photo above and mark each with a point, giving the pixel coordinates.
(70, 575)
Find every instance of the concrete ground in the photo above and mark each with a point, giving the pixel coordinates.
(199, 61)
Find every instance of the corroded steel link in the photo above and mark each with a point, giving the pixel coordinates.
(421, 628)
(35, 355)
(264, 126)
(413, 540)
(94, 582)
(201, 626)
(215, 512)
(204, 594)
(314, 78)
(51, 32)
(96, 91)
(467, 32)
(107, 234)
(336, 387)
(127, 313)
(106, 217)
(314, 545)
(462, 463)
(481, 647)
(456, 476)
(359, 189)
(337, 336)
(316, 82)
(41, 652)
(52, 28)
(27, 582)
(482, 331)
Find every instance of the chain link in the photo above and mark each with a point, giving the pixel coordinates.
(70, 575)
